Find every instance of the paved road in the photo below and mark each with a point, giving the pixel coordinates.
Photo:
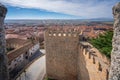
(14, 72)
(34, 56)
(35, 71)
(42, 51)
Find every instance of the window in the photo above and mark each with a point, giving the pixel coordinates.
(26, 57)
(9, 63)
(15, 65)
(15, 60)
(10, 69)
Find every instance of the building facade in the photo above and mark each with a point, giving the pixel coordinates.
(20, 56)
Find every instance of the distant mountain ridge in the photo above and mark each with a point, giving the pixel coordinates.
(101, 19)
(57, 21)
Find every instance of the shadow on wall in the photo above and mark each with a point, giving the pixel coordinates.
(92, 64)
(82, 70)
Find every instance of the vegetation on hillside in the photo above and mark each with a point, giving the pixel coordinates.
(103, 43)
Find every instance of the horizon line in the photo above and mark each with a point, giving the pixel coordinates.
(64, 19)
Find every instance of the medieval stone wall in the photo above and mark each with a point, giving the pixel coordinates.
(115, 56)
(61, 55)
(92, 64)
(3, 57)
(82, 69)
(67, 58)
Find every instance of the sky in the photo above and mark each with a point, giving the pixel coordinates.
(59, 9)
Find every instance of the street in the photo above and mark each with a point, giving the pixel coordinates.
(35, 71)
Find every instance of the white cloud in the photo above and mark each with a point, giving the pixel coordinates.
(88, 9)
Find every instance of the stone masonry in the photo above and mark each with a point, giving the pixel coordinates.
(115, 56)
(61, 55)
(68, 58)
(3, 55)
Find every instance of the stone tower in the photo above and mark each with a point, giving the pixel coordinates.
(61, 54)
(3, 55)
(115, 56)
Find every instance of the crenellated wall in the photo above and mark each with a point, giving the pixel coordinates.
(61, 54)
(68, 58)
(82, 69)
(95, 65)
(61, 33)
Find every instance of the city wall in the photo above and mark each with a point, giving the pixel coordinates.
(67, 58)
(92, 64)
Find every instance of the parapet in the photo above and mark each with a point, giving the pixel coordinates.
(62, 33)
(3, 10)
(96, 60)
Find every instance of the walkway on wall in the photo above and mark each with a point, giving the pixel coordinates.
(97, 64)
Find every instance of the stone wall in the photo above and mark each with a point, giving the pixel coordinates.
(3, 57)
(92, 64)
(61, 55)
(82, 69)
(115, 56)
(67, 58)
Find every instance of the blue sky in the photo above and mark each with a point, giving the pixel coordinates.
(27, 13)
(59, 9)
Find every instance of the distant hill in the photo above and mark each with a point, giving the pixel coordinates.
(101, 19)
(58, 21)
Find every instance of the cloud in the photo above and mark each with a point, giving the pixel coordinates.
(84, 8)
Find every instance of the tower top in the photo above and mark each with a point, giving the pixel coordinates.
(65, 33)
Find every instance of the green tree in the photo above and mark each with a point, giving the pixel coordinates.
(103, 43)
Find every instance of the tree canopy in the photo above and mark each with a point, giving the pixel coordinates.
(103, 43)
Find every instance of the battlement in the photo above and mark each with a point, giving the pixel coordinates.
(62, 33)
(95, 60)
(64, 48)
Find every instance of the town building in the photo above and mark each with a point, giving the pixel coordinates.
(20, 56)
